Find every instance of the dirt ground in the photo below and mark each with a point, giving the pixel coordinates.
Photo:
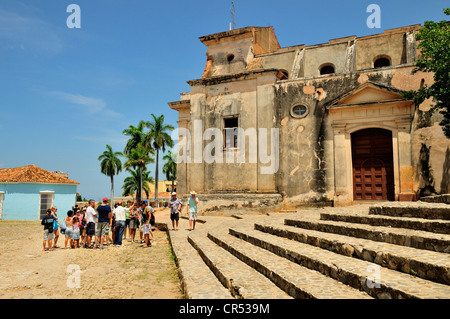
(129, 272)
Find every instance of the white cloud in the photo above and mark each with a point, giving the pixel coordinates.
(91, 104)
(25, 33)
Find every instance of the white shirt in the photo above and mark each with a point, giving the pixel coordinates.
(89, 215)
(120, 213)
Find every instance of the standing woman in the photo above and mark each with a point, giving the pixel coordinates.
(69, 229)
(134, 222)
(55, 225)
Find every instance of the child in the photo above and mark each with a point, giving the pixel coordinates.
(69, 229)
(47, 221)
(76, 232)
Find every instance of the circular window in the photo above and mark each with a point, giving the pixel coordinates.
(299, 111)
(230, 57)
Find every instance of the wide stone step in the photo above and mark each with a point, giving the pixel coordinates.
(425, 264)
(435, 226)
(197, 280)
(398, 236)
(297, 281)
(241, 280)
(417, 209)
(377, 281)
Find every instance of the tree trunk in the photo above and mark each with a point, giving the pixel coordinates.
(139, 191)
(156, 179)
(112, 191)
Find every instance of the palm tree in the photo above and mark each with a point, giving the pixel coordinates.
(170, 168)
(110, 165)
(136, 136)
(158, 139)
(131, 183)
(138, 158)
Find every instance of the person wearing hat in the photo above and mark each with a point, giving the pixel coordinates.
(192, 210)
(175, 205)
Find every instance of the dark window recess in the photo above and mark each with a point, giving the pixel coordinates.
(283, 75)
(381, 63)
(328, 69)
(299, 110)
(230, 132)
(230, 57)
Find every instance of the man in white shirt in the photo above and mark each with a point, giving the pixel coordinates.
(120, 216)
(90, 223)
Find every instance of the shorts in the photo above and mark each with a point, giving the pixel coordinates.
(127, 223)
(47, 235)
(102, 229)
(175, 216)
(147, 229)
(192, 215)
(134, 223)
(69, 232)
(90, 229)
(76, 235)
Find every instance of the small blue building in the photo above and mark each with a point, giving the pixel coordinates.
(27, 192)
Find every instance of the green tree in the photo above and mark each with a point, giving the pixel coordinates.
(434, 45)
(131, 183)
(158, 138)
(138, 158)
(136, 135)
(110, 165)
(170, 167)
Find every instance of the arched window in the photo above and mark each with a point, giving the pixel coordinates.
(381, 62)
(327, 69)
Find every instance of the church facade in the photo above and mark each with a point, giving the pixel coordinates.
(283, 127)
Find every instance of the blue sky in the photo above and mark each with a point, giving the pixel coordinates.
(66, 93)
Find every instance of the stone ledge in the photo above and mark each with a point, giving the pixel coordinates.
(434, 226)
(298, 281)
(427, 265)
(242, 281)
(350, 271)
(418, 210)
(403, 237)
(444, 199)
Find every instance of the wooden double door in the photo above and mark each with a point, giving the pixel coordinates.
(373, 165)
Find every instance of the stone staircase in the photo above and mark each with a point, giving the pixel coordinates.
(394, 250)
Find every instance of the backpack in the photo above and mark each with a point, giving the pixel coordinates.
(48, 221)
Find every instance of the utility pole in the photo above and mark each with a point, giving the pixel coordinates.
(232, 10)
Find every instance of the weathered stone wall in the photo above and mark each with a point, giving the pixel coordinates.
(250, 88)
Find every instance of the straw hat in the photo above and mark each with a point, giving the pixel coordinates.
(193, 193)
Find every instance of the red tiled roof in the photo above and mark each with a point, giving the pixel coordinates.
(32, 174)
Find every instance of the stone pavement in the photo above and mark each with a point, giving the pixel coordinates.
(353, 252)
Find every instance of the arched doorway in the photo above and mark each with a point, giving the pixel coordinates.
(373, 165)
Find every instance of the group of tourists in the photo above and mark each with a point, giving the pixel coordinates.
(96, 227)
